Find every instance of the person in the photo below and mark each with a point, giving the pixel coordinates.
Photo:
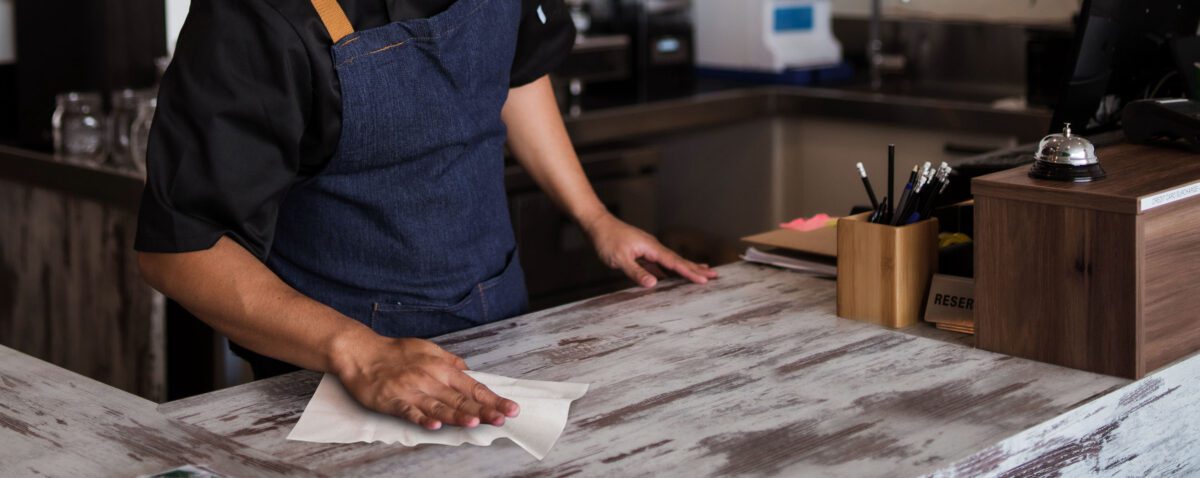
(325, 186)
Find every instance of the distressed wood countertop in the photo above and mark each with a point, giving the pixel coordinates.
(750, 374)
(54, 422)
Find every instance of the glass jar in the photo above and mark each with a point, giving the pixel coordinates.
(140, 132)
(124, 113)
(79, 128)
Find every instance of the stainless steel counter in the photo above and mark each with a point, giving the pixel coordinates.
(740, 105)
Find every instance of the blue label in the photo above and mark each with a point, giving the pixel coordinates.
(794, 18)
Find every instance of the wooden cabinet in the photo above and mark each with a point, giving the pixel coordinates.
(1096, 276)
(70, 290)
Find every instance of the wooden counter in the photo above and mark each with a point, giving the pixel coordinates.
(751, 374)
(54, 422)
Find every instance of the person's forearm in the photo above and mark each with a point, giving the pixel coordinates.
(233, 292)
(539, 141)
(228, 288)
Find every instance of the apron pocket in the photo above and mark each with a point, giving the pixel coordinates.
(398, 320)
(505, 296)
(497, 298)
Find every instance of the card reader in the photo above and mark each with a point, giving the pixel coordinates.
(1171, 119)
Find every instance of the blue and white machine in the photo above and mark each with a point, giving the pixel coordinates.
(765, 37)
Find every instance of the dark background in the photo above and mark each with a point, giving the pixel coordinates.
(73, 45)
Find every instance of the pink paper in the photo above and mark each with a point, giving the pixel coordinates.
(810, 224)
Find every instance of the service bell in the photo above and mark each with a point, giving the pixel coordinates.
(1066, 157)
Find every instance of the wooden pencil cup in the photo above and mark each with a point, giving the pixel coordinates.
(884, 271)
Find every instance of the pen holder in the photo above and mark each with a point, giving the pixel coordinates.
(884, 271)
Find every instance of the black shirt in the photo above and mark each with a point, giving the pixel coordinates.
(251, 105)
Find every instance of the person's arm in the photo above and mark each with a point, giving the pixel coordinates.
(539, 140)
(232, 291)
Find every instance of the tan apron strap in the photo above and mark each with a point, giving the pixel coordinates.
(334, 18)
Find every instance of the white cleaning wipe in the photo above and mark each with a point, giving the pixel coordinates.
(333, 416)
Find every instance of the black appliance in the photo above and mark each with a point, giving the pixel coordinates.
(1123, 52)
(1165, 119)
(663, 45)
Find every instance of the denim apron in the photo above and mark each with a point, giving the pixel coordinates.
(407, 228)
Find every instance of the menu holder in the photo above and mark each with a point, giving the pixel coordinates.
(884, 271)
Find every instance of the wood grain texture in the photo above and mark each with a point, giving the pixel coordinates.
(1078, 275)
(70, 290)
(57, 423)
(883, 271)
(1148, 428)
(1057, 284)
(1170, 298)
(750, 374)
(1134, 172)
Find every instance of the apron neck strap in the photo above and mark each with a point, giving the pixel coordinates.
(334, 18)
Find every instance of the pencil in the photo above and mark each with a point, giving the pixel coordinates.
(891, 187)
(862, 172)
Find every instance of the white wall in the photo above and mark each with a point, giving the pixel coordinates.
(8, 33)
(1033, 12)
(176, 12)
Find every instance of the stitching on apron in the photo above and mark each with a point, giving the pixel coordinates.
(352, 40)
(447, 31)
(389, 47)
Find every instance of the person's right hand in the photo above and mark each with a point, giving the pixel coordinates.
(416, 380)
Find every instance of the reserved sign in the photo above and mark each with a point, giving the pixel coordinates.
(951, 299)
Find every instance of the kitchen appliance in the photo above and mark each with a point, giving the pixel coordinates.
(771, 36)
(595, 59)
(661, 33)
(1066, 157)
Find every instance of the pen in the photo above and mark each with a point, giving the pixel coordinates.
(862, 172)
(930, 192)
(941, 182)
(925, 176)
(928, 187)
(891, 185)
(920, 194)
(897, 217)
(877, 216)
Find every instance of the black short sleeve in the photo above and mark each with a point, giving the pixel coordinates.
(251, 105)
(546, 37)
(224, 146)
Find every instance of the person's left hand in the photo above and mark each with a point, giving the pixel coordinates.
(636, 253)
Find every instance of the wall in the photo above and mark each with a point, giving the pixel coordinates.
(176, 13)
(73, 45)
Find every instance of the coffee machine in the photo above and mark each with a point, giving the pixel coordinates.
(662, 42)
